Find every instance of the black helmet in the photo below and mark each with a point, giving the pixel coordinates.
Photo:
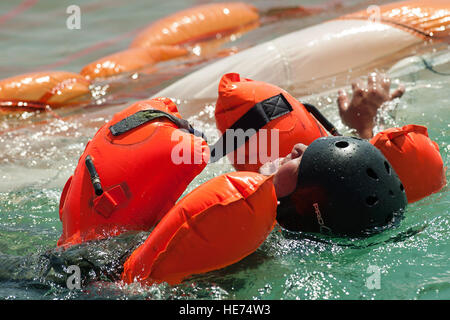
(345, 187)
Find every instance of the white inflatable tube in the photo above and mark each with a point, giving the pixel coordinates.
(300, 57)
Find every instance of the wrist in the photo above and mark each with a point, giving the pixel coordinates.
(365, 133)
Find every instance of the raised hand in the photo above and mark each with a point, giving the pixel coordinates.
(360, 112)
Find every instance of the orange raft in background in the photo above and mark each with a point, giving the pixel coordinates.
(217, 224)
(158, 42)
(197, 24)
(415, 158)
(238, 97)
(130, 60)
(162, 39)
(36, 91)
(125, 178)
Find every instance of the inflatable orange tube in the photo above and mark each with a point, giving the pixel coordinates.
(34, 91)
(237, 96)
(415, 158)
(425, 18)
(130, 60)
(159, 41)
(216, 225)
(125, 178)
(196, 24)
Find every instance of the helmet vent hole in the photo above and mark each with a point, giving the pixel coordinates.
(371, 200)
(391, 193)
(402, 188)
(371, 173)
(341, 144)
(388, 167)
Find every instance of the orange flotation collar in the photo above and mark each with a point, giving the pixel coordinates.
(247, 104)
(217, 224)
(415, 158)
(125, 178)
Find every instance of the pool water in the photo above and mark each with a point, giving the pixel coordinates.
(38, 154)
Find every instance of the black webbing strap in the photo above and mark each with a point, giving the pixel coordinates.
(321, 118)
(142, 117)
(257, 117)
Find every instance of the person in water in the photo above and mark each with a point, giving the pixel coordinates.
(103, 259)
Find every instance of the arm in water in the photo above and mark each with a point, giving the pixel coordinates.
(98, 260)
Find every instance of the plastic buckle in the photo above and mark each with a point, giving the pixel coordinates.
(107, 203)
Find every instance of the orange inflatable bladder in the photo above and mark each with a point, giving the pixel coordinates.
(197, 24)
(130, 60)
(216, 225)
(39, 89)
(239, 97)
(415, 158)
(139, 176)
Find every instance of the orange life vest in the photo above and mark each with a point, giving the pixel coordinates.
(217, 224)
(415, 158)
(127, 177)
(244, 102)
